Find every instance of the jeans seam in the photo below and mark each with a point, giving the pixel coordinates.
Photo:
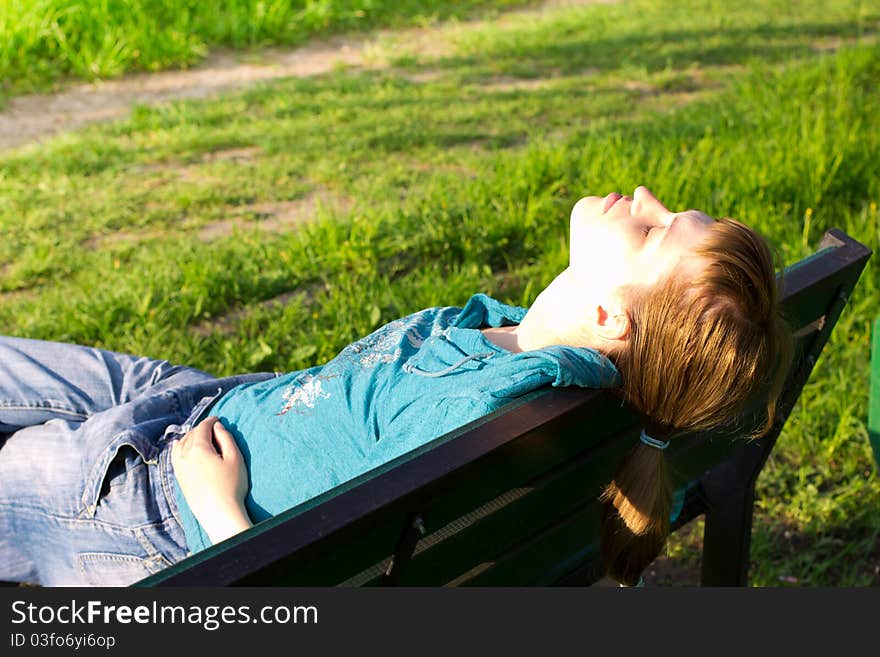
(112, 556)
(145, 542)
(77, 520)
(165, 474)
(44, 406)
(120, 556)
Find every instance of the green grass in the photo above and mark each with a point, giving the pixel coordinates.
(43, 41)
(445, 175)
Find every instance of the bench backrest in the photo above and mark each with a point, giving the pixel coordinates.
(511, 497)
(874, 394)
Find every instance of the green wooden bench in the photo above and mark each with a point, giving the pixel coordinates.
(874, 398)
(510, 499)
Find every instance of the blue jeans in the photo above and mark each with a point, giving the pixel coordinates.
(86, 483)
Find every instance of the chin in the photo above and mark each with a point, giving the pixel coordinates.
(585, 208)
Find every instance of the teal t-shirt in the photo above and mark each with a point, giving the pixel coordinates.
(403, 385)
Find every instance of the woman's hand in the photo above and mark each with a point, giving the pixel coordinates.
(212, 475)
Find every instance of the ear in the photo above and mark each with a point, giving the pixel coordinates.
(612, 322)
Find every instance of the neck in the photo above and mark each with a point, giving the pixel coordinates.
(536, 331)
(533, 333)
(559, 316)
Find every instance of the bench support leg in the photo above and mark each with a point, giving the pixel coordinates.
(729, 491)
(726, 541)
(406, 546)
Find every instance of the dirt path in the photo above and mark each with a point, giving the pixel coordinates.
(29, 118)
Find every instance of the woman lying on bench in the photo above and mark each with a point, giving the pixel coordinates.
(108, 472)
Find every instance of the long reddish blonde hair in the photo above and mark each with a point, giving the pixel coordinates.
(699, 349)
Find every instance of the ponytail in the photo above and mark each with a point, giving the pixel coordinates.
(635, 518)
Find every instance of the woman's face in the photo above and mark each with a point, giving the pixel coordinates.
(621, 240)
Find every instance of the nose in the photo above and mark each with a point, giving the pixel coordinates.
(645, 203)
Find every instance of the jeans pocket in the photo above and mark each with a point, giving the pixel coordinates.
(110, 569)
(125, 453)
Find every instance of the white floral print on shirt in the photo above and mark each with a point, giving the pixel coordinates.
(302, 395)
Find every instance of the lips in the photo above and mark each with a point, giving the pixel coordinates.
(610, 200)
